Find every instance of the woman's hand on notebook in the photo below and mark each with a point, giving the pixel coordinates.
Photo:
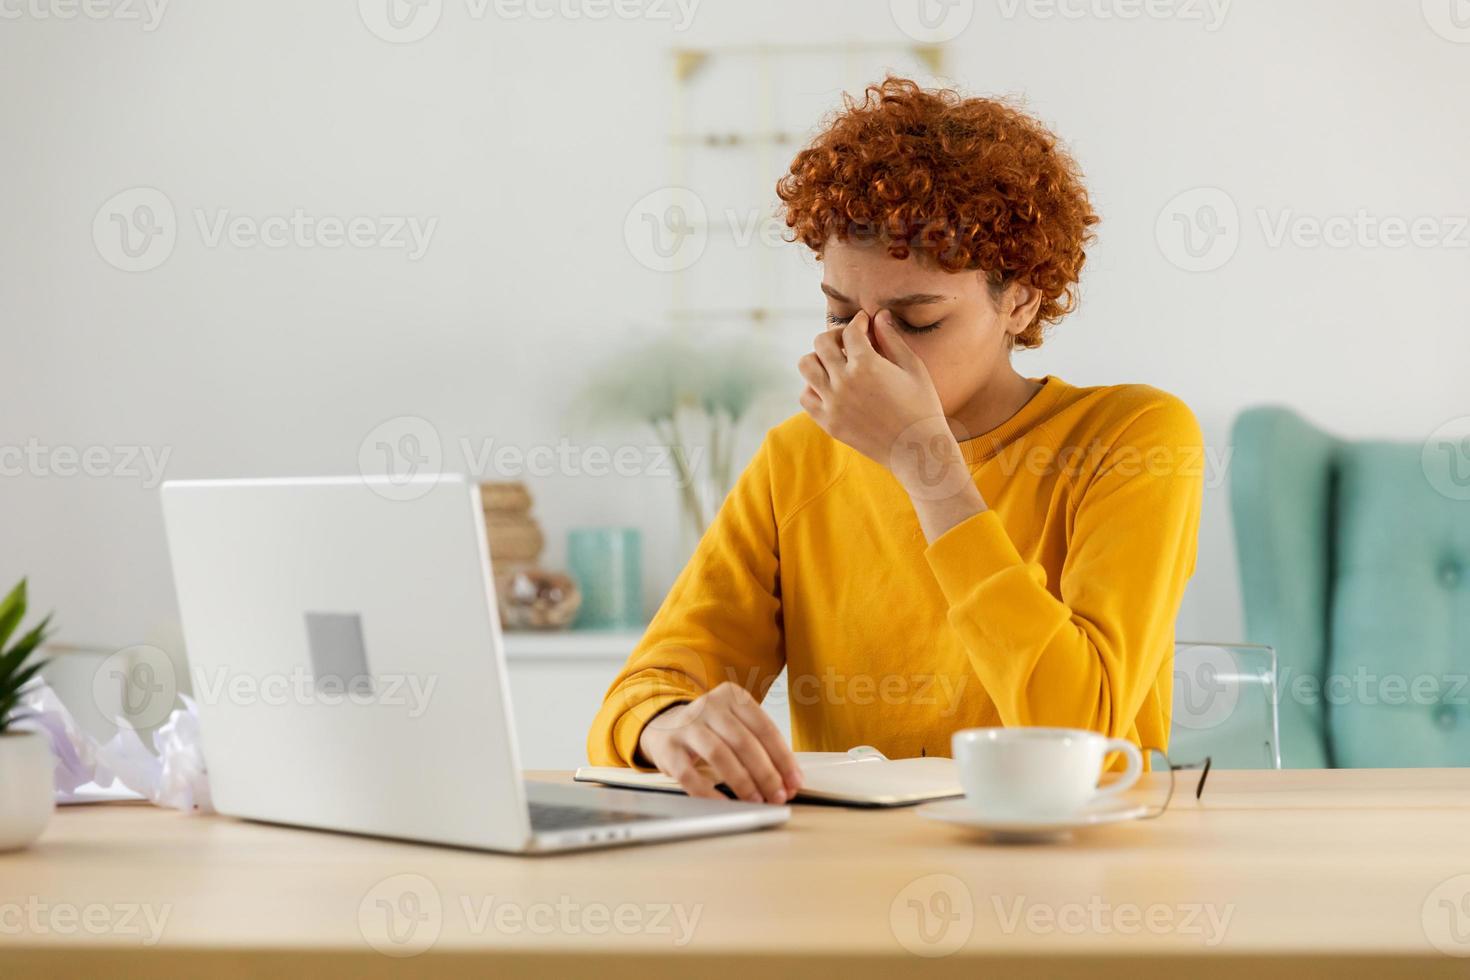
(723, 737)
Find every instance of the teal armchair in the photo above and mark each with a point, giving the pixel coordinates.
(1356, 569)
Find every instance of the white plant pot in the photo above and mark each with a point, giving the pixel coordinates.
(27, 788)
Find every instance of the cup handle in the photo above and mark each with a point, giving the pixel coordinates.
(1131, 772)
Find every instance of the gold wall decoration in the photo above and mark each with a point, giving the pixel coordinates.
(766, 141)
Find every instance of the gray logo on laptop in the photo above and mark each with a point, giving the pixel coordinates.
(338, 658)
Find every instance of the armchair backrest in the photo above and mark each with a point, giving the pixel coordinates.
(1355, 566)
(1281, 476)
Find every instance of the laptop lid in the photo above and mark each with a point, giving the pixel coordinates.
(344, 648)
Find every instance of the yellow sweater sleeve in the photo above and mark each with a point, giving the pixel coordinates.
(1088, 658)
(721, 621)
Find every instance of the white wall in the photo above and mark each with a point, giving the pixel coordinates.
(528, 140)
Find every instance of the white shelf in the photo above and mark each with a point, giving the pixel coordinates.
(603, 645)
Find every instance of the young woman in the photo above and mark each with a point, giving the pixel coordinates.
(937, 542)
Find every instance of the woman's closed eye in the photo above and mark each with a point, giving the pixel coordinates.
(904, 325)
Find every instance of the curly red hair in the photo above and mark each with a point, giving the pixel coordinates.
(967, 183)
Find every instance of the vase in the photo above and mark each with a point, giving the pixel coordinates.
(694, 523)
(607, 563)
(27, 788)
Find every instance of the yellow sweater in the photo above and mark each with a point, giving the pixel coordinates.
(1054, 607)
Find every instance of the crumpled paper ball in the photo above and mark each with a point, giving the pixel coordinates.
(75, 753)
(173, 774)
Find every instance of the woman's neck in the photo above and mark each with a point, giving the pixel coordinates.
(996, 401)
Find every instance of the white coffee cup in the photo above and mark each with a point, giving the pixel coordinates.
(1039, 772)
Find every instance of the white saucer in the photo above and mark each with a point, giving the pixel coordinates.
(1030, 828)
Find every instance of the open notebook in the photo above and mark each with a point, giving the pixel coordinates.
(859, 777)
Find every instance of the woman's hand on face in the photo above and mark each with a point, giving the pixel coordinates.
(878, 399)
(725, 737)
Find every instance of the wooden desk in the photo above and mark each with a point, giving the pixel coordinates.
(1320, 873)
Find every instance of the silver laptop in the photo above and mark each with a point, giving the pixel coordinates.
(345, 652)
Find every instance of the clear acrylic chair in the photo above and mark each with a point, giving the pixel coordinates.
(1225, 705)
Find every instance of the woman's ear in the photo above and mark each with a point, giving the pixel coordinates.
(1018, 307)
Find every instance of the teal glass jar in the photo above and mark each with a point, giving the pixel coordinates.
(607, 563)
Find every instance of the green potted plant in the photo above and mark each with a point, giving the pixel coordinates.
(693, 398)
(27, 793)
